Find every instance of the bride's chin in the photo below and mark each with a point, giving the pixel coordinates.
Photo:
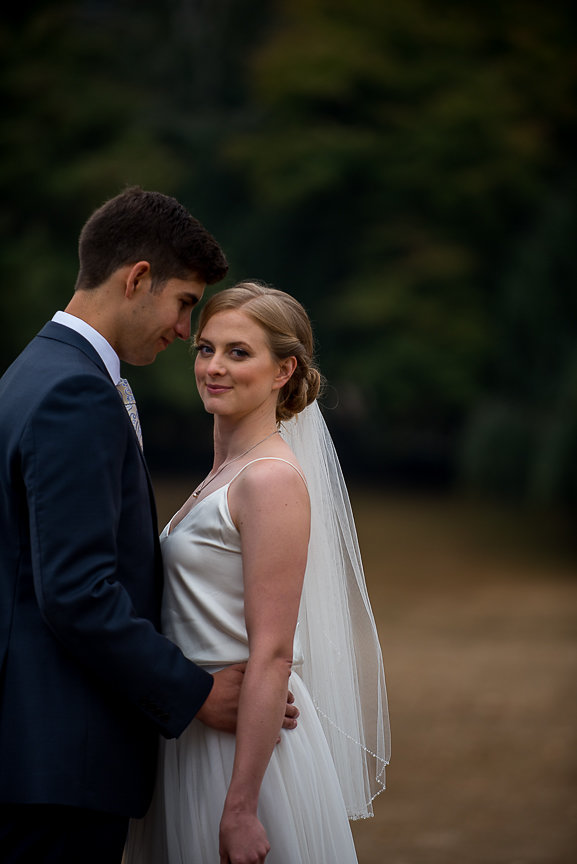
(211, 408)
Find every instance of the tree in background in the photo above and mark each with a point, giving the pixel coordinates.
(405, 168)
(405, 154)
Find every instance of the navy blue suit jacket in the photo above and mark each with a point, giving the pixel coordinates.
(86, 680)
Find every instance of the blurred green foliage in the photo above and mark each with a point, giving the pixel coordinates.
(404, 168)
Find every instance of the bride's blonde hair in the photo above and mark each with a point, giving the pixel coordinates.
(289, 334)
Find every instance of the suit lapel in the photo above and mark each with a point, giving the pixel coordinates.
(60, 333)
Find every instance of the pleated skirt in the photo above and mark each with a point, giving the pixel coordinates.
(300, 803)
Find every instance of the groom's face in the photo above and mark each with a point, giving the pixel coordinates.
(159, 317)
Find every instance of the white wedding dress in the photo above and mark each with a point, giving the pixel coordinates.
(300, 805)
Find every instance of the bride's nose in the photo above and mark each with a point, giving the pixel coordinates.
(215, 365)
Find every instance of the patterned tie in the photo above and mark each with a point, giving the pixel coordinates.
(125, 391)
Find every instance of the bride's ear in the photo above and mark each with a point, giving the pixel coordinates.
(285, 370)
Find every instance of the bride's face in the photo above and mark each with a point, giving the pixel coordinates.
(236, 372)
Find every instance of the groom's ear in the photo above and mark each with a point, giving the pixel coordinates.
(285, 370)
(137, 279)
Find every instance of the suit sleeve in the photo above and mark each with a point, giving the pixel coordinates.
(74, 453)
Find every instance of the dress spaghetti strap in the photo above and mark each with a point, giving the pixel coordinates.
(268, 458)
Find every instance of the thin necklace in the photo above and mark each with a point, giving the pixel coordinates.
(205, 483)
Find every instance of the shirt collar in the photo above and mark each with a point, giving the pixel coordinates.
(105, 350)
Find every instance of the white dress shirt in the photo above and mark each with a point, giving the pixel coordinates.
(105, 350)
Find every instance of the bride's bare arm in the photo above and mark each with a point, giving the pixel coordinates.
(269, 504)
(220, 710)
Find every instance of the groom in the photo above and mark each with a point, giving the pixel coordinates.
(86, 680)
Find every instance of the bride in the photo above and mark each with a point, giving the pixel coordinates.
(262, 565)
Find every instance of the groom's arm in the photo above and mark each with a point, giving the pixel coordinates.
(220, 709)
(74, 458)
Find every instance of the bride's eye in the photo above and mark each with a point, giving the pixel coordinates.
(239, 353)
(203, 350)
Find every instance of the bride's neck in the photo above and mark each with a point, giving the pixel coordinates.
(232, 438)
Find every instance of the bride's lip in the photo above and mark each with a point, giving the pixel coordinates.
(217, 388)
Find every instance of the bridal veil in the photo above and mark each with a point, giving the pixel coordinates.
(342, 661)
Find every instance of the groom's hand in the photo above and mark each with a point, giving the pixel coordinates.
(220, 709)
(291, 713)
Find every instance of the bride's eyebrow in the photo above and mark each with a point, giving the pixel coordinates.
(237, 344)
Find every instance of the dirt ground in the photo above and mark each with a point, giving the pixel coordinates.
(477, 611)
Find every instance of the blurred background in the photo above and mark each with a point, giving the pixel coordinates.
(406, 169)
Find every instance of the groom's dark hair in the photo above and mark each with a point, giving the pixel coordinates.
(147, 226)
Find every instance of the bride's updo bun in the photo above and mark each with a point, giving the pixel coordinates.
(289, 334)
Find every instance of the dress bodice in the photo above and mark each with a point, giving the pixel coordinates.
(203, 603)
